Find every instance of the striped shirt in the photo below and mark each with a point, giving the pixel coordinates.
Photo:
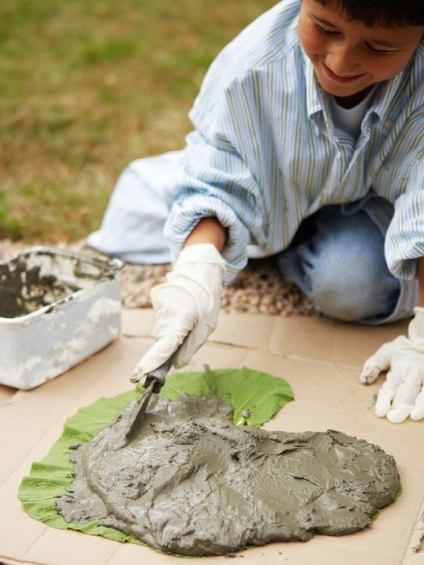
(265, 153)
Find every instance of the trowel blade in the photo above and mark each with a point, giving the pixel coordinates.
(153, 383)
(140, 410)
(142, 407)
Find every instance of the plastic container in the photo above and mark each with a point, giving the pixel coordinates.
(57, 307)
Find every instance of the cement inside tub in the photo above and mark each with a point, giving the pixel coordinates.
(33, 280)
(192, 483)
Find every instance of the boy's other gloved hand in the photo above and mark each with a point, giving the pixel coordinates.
(402, 394)
(186, 307)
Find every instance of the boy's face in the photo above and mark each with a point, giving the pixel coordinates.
(349, 57)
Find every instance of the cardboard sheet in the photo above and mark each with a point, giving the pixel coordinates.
(321, 360)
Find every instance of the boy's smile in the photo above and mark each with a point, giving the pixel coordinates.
(349, 56)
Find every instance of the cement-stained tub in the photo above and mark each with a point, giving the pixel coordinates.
(192, 483)
(57, 307)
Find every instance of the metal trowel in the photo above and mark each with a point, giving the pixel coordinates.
(153, 383)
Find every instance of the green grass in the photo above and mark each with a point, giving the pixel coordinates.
(88, 86)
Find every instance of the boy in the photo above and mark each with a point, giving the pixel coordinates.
(309, 144)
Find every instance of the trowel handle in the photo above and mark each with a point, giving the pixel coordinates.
(158, 375)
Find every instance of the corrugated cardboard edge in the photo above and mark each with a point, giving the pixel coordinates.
(415, 552)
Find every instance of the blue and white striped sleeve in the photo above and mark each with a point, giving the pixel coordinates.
(217, 183)
(405, 236)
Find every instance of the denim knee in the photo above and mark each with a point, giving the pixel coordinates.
(340, 266)
(351, 296)
(347, 276)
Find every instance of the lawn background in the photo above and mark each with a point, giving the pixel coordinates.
(86, 87)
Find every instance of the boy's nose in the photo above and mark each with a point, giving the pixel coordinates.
(343, 61)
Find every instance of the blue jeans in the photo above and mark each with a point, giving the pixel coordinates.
(338, 263)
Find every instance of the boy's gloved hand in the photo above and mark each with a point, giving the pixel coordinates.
(186, 307)
(402, 394)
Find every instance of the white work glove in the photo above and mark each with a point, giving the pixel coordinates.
(402, 394)
(186, 307)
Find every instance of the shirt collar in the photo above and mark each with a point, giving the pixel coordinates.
(316, 105)
(314, 99)
(391, 90)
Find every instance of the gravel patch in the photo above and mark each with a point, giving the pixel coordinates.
(259, 288)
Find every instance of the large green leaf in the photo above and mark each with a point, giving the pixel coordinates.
(50, 478)
(255, 396)
(248, 391)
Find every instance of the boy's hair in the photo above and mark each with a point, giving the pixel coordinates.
(387, 13)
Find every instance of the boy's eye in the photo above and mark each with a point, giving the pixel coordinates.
(377, 51)
(325, 31)
(370, 48)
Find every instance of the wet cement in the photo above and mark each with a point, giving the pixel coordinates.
(34, 280)
(24, 290)
(192, 483)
